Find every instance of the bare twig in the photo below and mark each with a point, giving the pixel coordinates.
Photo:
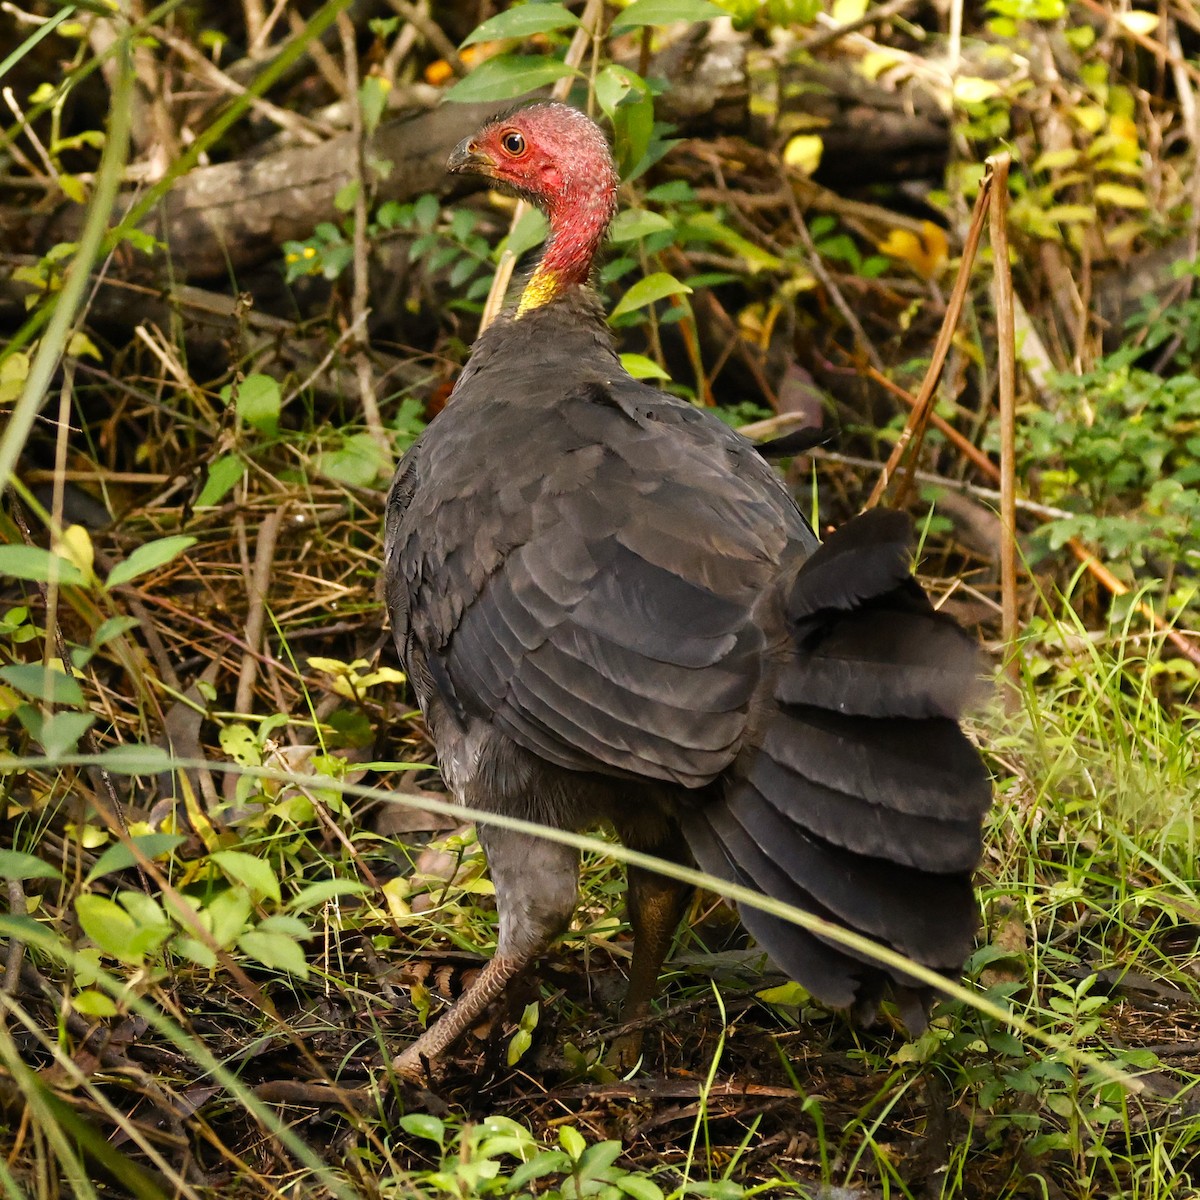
(914, 430)
(260, 578)
(362, 280)
(998, 164)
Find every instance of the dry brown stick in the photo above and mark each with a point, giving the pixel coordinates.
(914, 429)
(961, 443)
(362, 279)
(589, 23)
(264, 559)
(998, 164)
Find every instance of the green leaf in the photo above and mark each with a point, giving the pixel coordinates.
(60, 732)
(258, 401)
(136, 758)
(571, 1140)
(1121, 194)
(323, 890)
(148, 557)
(613, 84)
(638, 1187)
(507, 76)
(665, 12)
(38, 565)
(16, 865)
(47, 684)
(641, 367)
(358, 462)
(636, 223)
(423, 1125)
(275, 950)
(94, 1004)
(646, 291)
(227, 914)
(222, 475)
(372, 99)
(530, 231)
(256, 874)
(109, 926)
(121, 856)
(523, 22)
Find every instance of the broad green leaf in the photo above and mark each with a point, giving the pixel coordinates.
(711, 228)
(136, 758)
(290, 926)
(94, 1004)
(571, 1140)
(641, 367)
(372, 99)
(222, 476)
(638, 1187)
(61, 731)
(258, 402)
(523, 22)
(38, 565)
(788, 994)
(148, 557)
(323, 890)
(16, 865)
(636, 223)
(358, 462)
(275, 950)
(48, 684)
(613, 84)
(424, 1125)
(646, 291)
(256, 874)
(530, 231)
(109, 926)
(507, 76)
(227, 914)
(665, 12)
(121, 856)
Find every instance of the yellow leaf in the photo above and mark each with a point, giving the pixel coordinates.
(1120, 235)
(75, 546)
(1053, 160)
(80, 344)
(1090, 116)
(72, 188)
(971, 89)
(804, 152)
(1138, 22)
(1121, 194)
(845, 11)
(875, 62)
(926, 254)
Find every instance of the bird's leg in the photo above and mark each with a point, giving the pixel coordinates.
(536, 884)
(655, 905)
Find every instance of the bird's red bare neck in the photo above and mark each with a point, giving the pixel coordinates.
(577, 226)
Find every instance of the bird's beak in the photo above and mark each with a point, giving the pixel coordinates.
(467, 159)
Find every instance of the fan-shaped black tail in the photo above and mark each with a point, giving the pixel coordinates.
(862, 800)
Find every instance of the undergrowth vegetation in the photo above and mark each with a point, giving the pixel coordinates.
(233, 884)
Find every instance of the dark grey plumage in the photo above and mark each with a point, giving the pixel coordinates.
(611, 609)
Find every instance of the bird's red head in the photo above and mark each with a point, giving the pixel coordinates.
(557, 159)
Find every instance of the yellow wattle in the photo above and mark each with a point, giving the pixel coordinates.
(542, 287)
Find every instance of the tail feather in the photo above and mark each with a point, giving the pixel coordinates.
(884, 662)
(869, 829)
(861, 800)
(824, 970)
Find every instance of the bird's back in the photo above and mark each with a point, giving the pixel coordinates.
(588, 563)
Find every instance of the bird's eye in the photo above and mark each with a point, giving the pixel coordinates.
(513, 143)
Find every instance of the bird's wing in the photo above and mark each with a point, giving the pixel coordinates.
(599, 606)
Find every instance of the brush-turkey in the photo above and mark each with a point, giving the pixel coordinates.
(613, 612)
